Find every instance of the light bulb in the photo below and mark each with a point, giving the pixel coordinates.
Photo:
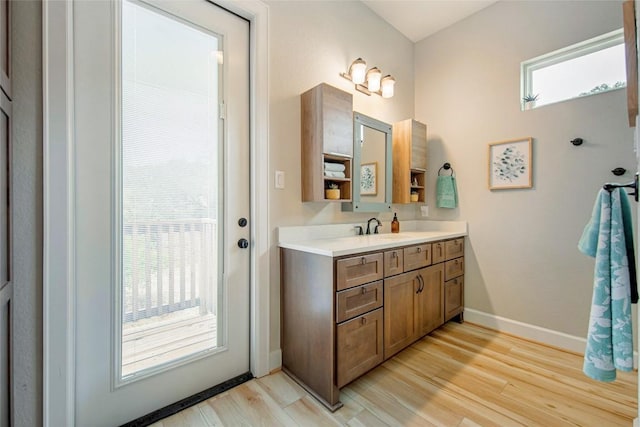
(373, 79)
(387, 84)
(357, 71)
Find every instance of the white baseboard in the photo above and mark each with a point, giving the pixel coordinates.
(275, 360)
(525, 330)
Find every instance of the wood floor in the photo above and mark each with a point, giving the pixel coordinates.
(459, 375)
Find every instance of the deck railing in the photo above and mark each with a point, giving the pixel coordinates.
(169, 266)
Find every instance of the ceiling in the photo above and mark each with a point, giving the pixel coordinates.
(417, 19)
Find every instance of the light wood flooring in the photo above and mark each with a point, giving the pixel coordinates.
(459, 375)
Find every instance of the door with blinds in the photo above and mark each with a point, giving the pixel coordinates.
(162, 138)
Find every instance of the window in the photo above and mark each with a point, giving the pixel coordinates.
(587, 68)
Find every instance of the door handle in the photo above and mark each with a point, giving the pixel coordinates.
(243, 243)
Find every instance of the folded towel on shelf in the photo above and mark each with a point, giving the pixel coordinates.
(609, 238)
(334, 167)
(330, 174)
(446, 192)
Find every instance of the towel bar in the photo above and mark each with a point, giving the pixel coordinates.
(633, 184)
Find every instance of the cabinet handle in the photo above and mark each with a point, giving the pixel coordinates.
(363, 320)
(421, 280)
(394, 254)
(364, 291)
(363, 260)
(419, 250)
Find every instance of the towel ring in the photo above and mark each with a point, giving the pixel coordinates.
(446, 167)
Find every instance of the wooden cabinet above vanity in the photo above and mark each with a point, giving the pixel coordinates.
(346, 311)
(409, 160)
(327, 137)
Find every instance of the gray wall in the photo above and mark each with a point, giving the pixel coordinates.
(522, 261)
(27, 211)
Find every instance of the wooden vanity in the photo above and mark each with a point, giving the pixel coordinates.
(342, 315)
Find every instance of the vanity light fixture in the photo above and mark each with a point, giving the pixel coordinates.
(371, 81)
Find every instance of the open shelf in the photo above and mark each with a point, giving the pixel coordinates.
(344, 184)
(418, 178)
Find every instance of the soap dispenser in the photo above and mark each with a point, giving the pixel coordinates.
(395, 224)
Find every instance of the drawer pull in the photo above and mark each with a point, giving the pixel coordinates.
(364, 291)
(394, 254)
(363, 260)
(419, 250)
(363, 321)
(457, 262)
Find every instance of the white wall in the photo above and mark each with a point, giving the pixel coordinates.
(310, 43)
(522, 260)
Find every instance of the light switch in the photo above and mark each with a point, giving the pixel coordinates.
(279, 179)
(424, 210)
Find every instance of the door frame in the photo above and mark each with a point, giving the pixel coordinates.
(59, 281)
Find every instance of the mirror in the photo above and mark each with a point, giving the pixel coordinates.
(372, 165)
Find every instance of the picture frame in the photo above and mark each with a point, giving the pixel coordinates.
(510, 164)
(369, 179)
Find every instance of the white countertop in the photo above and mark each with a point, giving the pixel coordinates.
(418, 232)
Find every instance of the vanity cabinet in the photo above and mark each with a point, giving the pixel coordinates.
(343, 316)
(409, 161)
(327, 136)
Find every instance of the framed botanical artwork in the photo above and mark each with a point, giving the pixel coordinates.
(510, 164)
(369, 179)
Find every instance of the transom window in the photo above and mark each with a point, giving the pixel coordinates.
(587, 68)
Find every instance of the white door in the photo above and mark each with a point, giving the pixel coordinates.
(162, 178)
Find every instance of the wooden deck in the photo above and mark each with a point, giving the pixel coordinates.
(459, 375)
(157, 340)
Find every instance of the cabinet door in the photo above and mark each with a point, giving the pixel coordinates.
(418, 145)
(359, 346)
(400, 312)
(430, 299)
(453, 297)
(417, 256)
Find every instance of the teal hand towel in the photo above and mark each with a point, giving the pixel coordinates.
(610, 336)
(446, 192)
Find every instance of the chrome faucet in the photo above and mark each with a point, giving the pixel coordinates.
(375, 230)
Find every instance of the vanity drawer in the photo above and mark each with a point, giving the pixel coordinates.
(437, 252)
(454, 248)
(453, 268)
(453, 297)
(355, 301)
(393, 262)
(358, 270)
(359, 346)
(417, 256)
